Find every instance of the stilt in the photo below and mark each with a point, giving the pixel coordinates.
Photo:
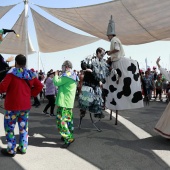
(94, 123)
(81, 117)
(110, 114)
(116, 117)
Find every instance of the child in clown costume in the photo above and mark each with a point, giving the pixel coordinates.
(18, 85)
(67, 85)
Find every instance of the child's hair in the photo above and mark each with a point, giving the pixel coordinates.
(21, 60)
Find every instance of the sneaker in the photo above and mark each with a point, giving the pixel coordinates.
(6, 153)
(46, 113)
(66, 145)
(52, 114)
(20, 152)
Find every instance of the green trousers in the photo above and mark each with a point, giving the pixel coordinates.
(64, 119)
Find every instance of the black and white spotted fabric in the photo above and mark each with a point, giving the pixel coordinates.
(123, 91)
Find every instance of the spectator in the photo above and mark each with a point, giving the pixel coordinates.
(148, 85)
(50, 93)
(36, 100)
(158, 88)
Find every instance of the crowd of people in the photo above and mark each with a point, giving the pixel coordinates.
(154, 84)
(114, 83)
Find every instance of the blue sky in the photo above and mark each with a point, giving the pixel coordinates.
(54, 60)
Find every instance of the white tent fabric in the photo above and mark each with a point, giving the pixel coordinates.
(52, 38)
(5, 9)
(136, 21)
(13, 45)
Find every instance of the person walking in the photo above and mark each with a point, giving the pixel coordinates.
(50, 93)
(18, 87)
(67, 85)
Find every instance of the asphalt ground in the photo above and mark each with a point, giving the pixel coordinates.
(130, 145)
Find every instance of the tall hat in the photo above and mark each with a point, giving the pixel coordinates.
(111, 27)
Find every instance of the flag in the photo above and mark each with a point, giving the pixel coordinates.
(146, 62)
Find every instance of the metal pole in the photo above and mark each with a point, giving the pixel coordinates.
(26, 31)
(38, 61)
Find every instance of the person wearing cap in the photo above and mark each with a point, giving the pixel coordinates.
(18, 85)
(163, 125)
(67, 85)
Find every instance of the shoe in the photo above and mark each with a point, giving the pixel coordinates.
(46, 113)
(36, 106)
(52, 114)
(62, 138)
(6, 153)
(20, 152)
(66, 145)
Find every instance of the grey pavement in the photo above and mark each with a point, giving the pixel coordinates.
(130, 145)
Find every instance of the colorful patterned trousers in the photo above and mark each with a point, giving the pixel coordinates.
(64, 121)
(10, 119)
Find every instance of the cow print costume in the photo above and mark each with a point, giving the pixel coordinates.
(123, 91)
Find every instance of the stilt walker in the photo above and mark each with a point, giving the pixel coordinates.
(122, 87)
(90, 98)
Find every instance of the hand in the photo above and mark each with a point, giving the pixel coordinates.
(107, 52)
(157, 61)
(10, 59)
(89, 70)
(56, 73)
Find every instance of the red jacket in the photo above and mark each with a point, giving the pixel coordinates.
(18, 92)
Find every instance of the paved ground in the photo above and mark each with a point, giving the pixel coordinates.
(130, 145)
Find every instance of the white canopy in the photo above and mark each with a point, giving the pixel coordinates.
(5, 9)
(52, 38)
(136, 21)
(13, 45)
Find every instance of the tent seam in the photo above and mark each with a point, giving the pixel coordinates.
(138, 21)
(87, 22)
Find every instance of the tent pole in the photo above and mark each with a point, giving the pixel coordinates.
(26, 31)
(38, 61)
